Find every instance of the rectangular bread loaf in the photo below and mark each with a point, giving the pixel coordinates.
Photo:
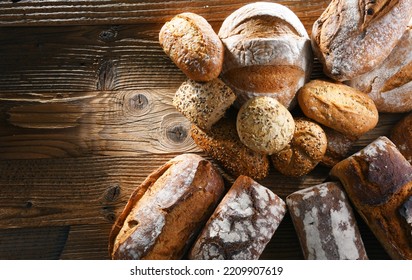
(378, 180)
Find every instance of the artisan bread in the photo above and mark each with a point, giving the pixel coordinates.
(242, 224)
(339, 107)
(338, 146)
(353, 37)
(378, 181)
(267, 52)
(264, 125)
(203, 103)
(164, 214)
(191, 43)
(304, 151)
(401, 136)
(325, 223)
(390, 84)
(222, 143)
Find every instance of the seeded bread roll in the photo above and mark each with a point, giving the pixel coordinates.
(378, 181)
(191, 43)
(339, 107)
(401, 136)
(353, 37)
(267, 53)
(390, 84)
(304, 151)
(203, 103)
(222, 143)
(242, 224)
(264, 125)
(325, 223)
(164, 214)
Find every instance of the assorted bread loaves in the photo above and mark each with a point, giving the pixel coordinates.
(240, 95)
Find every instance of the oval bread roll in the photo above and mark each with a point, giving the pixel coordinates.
(191, 43)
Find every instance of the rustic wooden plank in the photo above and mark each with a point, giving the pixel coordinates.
(38, 243)
(82, 12)
(87, 123)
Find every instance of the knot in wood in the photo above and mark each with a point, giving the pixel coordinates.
(108, 35)
(177, 133)
(138, 102)
(112, 193)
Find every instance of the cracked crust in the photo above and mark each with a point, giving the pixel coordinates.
(165, 212)
(242, 224)
(353, 37)
(378, 180)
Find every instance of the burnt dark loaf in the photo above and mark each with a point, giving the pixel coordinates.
(378, 180)
(325, 223)
(242, 224)
(164, 214)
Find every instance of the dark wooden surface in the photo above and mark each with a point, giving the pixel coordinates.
(86, 115)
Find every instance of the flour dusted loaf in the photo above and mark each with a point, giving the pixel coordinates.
(203, 103)
(338, 146)
(164, 214)
(390, 84)
(353, 37)
(339, 107)
(401, 136)
(325, 223)
(304, 151)
(378, 181)
(191, 43)
(267, 52)
(222, 143)
(264, 125)
(242, 224)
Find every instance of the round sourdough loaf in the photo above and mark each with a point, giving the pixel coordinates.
(353, 37)
(339, 107)
(304, 152)
(267, 52)
(203, 103)
(163, 215)
(390, 84)
(191, 43)
(264, 125)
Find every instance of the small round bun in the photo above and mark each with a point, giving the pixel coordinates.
(265, 125)
(304, 152)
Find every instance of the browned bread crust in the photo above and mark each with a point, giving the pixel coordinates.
(165, 212)
(401, 136)
(378, 180)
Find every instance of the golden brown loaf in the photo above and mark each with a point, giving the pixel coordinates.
(203, 103)
(325, 223)
(267, 52)
(222, 143)
(304, 151)
(165, 212)
(242, 224)
(378, 181)
(390, 84)
(353, 37)
(264, 125)
(191, 43)
(401, 136)
(338, 106)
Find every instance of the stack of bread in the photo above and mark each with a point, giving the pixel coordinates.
(244, 85)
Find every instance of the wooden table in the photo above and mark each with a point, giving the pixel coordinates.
(86, 115)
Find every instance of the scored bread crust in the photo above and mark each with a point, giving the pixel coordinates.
(353, 37)
(166, 211)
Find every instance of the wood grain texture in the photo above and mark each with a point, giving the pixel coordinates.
(86, 114)
(83, 12)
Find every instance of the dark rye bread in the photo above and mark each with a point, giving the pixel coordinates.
(325, 223)
(378, 180)
(242, 224)
(338, 146)
(401, 136)
(222, 143)
(167, 210)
